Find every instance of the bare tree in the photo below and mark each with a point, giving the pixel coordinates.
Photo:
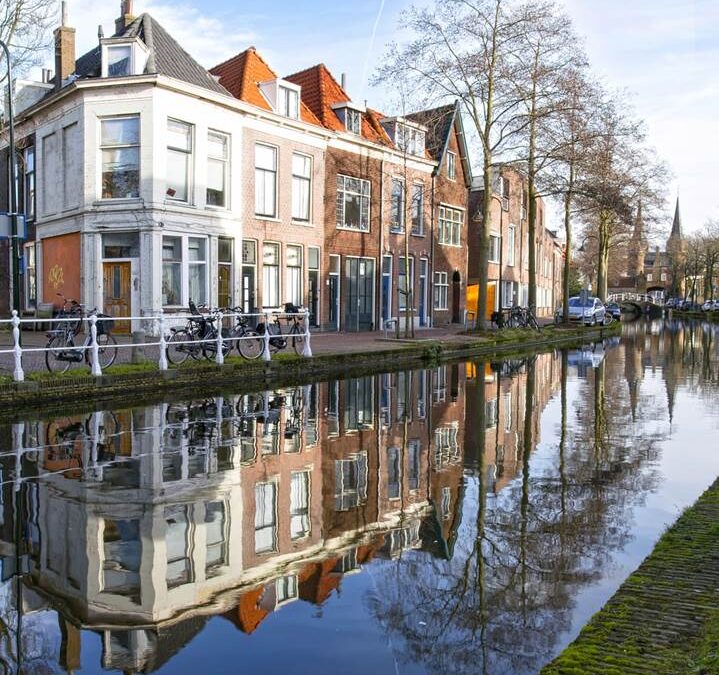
(467, 50)
(25, 26)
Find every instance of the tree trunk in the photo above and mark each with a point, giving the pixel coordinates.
(483, 271)
(603, 256)
(568, 246)
(532, 194)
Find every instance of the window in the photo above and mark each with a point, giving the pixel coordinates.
(510, 245)
(418, 209)
(29, 162)
(650, 276)
(353, 195)
(271, 275)
(353, 121)
(197, 269)
(504, 186)
(508, 411)
(265, 517)
(265, 181)
(300, 504)
(450, 226)
(524, 205)
(451, 165)
(30, 280)
(403, 290)
(289, 102)
(179, 160)
(177, 545)
(394, 473)
(286, 589)
(122, 553)
(293, 262)
(121, 245)
(663, 276)
(217, 156)
(397, 207)
(494, 242)
(301, 187)
(71, 186)
(120, 147)
(225, 249)
(490, 413)
(215, 537)
(171, 271)
(409, 139)
(441, 290)
(119, 61)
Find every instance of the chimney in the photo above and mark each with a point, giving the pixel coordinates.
(343, 81)
(64, 49)
(126, 16)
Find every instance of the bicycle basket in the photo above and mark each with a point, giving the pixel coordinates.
(291, 308)
(105, 324)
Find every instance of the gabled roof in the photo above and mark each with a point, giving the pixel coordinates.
(439, 123)
(167, 57)
(320, 91)
(241, 76)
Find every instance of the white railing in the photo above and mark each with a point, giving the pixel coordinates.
(78, 347)
(635, 297)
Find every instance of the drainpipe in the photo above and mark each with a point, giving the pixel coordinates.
(431, 254)
(380, 261)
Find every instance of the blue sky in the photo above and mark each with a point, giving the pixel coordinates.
(666, 52)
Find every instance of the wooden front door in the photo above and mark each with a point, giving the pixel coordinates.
(491, 299)
(117, 291)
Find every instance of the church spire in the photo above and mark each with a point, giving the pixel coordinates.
(677, 224)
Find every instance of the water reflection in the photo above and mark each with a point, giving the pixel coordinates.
(478, 501)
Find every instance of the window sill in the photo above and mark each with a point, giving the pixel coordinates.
(421, 235)
(268, 219)
(352, 229)
(303, 223)
(441, 243)
(220, 209)
(179, 202)
(107, 201)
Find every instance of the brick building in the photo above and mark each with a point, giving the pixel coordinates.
(508, 269)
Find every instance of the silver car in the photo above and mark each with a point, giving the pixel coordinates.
(591, 313)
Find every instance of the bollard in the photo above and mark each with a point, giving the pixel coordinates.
(18, 374)
(307, 350)
(162, 364)
(266, 350)
(94, 348)
(138, 353)
(219, 356)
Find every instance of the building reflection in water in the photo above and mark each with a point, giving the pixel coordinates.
(142, 524)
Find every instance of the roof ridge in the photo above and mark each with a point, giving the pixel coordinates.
(233, 57)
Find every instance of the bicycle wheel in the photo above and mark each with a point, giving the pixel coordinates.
(251, 345)
(177, 353)
(106, 350)
(209, 348)
(532, 321)
(53, 362)
(298, 341)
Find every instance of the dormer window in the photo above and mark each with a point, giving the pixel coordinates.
(408, 136)
(123, 57)
(119, 61)
(289, 102)
(353, 121)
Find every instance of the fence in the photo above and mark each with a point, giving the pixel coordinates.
(168, 328)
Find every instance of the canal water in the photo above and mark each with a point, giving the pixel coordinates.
(467, 518)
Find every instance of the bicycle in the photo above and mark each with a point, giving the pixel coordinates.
(62, 351)
(296, 333)
(522, 317)
(197, 338)
(241, 336)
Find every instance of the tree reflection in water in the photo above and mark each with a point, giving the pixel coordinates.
(478, 501)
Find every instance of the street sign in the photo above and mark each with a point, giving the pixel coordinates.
(6, 226)
(584, 297)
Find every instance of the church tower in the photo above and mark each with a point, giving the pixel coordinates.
(637, 248)
(676, 251)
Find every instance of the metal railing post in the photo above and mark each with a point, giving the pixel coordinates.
(95, 350)
(266, 349)
(18, 374)
(219, 356)
(162, 363)
(307, 350)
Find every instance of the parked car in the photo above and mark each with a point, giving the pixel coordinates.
(592, 313)
(614, 309)
(671, 303)
(711, 306)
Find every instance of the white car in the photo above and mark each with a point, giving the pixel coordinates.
(711, 306)
(591, 313)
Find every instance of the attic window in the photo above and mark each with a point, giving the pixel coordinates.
(289, 102)
(119, 61)
(409, 139)
(353, 121)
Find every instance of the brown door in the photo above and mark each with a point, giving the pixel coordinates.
(116, 293)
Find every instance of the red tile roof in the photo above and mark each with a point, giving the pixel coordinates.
(241, 76)
(320, 91)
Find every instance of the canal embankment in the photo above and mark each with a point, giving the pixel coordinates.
(664, 619)
(334, 357)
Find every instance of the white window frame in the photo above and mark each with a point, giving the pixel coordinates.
(353, 121)
(297, 300)
(341, 222)
(451, 165)
(511, 245)
(225, 163)
(130, 62)
(30, 274)
(189, 154)
(440, 300)
(306, 183)
(184, 264)
(417, 196)
(401, 297)
(493, 254)
(450, 224)
(118, 146)
(285, 95)
(277, 274)
(275, 172)
(397, 206)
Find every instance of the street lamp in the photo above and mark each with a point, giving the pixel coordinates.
(13, 186)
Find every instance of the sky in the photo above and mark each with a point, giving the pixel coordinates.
(664, 52)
